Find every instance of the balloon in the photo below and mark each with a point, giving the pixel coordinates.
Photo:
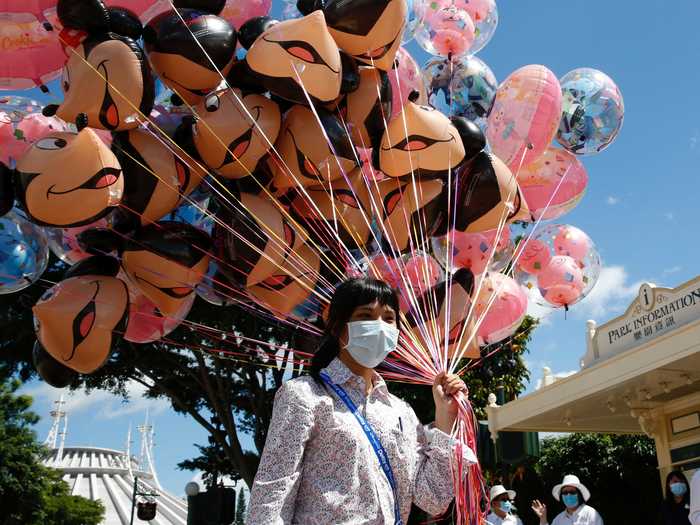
(24, 252)
(572, 242)
(166, 260)
(339, 213)
(303, 157)
(405, 79)
(236, 12)
(157, 175)
(533, 256)
(50, 370)
(409, 213)
(190, 50)
(366, 109)
(64, 241)
(446, 305)
(593, 111)
(558, 266)
(255, 241)
(368, 30)
(79, 320)
(419, 141)
(290, 284)
(484, 13)
(500, 306)
(561, 281)
(445, 29)
(144, 9)
(290, 10)
(420, 273)
(235, 130)
(146, 322)
(107, 83)
(474, 251)
(296, 57)
(21, 124)
(69, 179)
(31, 55)
(525, 116)
(369, 172)
(487, 195)
(553, 184)
(465, 87)
(215, 288)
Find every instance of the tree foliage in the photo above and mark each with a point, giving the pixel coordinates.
(31, 493)
(613, 467)
(241, 508)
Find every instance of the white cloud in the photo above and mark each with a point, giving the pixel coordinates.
(673, 269)
(612, 200)
(101, 404)
(669, 215)
(694, 139)
(612, 293)
(557, 375)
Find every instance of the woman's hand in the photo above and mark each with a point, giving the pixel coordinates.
(445, 388)
(540, 509)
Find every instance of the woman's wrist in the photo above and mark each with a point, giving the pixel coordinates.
(444, 421)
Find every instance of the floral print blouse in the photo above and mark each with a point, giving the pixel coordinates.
(318, 467)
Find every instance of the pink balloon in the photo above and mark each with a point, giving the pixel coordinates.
(553, 184)
(420, 273)
(505, 313)
(239, 11)
(146, 324)
(503, 239)
(572, 242)
(369, 172)
(19, 132)
(525, 116)
(386, 269)
(406, 77)
(64, 243)
(534, 257)
(446, 29)
(561, 281)
(472, 251)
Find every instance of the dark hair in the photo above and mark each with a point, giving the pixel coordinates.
(348, 296)
(669, 497)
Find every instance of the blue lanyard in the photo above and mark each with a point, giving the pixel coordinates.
(373, 440)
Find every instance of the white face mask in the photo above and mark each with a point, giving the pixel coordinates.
(369, 342)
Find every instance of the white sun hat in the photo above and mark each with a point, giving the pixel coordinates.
(497, 490)
(571, 481)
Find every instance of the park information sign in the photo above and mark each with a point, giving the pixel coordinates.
(655, 311)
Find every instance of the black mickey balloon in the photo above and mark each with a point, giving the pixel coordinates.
(50, 370)
(191, 51)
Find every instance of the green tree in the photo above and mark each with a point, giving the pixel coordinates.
(241, 508)
(615, 468)
(31, 493)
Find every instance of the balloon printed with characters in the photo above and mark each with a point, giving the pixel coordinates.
(279, 158)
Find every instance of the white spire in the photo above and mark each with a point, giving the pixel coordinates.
(57, 414)
(146, 456)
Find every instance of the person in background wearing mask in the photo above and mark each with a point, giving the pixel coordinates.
(676, 505)
(340, 448)
(501, 507)
(573, 494)
(695, 499)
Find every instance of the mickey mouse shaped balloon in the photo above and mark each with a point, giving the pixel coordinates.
(424, 142)
(296, 59)
(190, 48)
(368, 30)
(310, 150)
(106, 78)
(234, 130)
(80, 320)
(157, 176)
(67, 179)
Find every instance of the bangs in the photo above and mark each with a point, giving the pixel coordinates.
(358, 292)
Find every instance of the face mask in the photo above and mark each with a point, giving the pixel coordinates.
(369, 342)
(506, 506)
(678, 488)
(570, 500)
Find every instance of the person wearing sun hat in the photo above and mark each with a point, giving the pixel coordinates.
(574, 495)
(501, 507)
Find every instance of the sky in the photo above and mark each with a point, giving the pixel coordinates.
(639, 209)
